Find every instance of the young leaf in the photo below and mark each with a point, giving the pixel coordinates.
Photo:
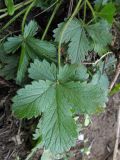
(83, 39)
(56, 99)
(108, 12)
(10, 6)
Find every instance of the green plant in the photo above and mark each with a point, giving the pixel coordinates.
(62, 86)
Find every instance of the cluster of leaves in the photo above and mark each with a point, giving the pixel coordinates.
(59, 91)
(31, 48)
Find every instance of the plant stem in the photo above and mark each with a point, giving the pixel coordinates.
(85, 7)
(91, 8)
(51, 19)
(26, 14)
(3, 15)
(13, 19)
(64, 29)
(18, 6)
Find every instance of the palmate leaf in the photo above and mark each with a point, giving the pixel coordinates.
(83, 38)
(100, 35)
(75, 34)
(31, 48)
(56, 97)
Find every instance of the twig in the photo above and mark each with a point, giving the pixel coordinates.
(117, 137)
(115, 77)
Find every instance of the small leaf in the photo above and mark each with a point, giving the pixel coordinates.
(100, 35)
(75, 34)
(30, 29)
(115, 90)
(100, 3)
(10, 6)
(13, 44)
(108, 12)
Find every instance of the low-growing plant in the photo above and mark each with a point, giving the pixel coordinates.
(62, 85)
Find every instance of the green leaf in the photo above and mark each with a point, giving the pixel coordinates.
(100, 3)
(42, 48)
(102, 80)
(115, 90)
(31, 48)
(82, 39)
(30, 29)
(56, 100)
(42, 71)
(100, 35)
(108, 12)
(27, 102)
(75, 34)
(10, 6)
(85, 97)
(72, 72)
(13, 44)
(47, 155)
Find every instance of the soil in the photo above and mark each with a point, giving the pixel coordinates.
(102, 131)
